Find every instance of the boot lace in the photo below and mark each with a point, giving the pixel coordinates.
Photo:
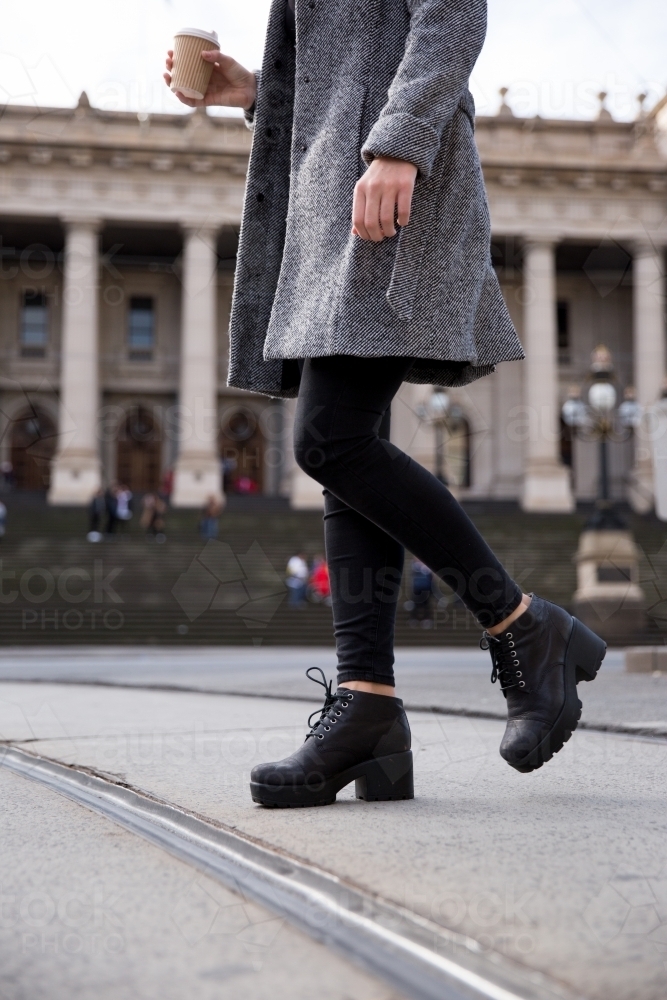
(505, 660)
(331, 709)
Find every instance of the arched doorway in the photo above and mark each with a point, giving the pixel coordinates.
(138, 463)
(242, 452)
(33, 445)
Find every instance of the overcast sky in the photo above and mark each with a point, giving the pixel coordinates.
(554, 55)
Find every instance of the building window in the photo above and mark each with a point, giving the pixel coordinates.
(141, 328)
(34, 331)
(563, 328)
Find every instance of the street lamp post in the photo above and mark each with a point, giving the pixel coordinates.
(446, 418)
(608, 597)
(438, 406)
(600, 420)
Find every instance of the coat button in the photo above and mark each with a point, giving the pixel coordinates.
(278, 64)
(312, 4)
(306, 79)
(260, 196)
(304, 148)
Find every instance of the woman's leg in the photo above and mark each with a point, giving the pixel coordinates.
(365, 569)
(342, 402)
(378, 499)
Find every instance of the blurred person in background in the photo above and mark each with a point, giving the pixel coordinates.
(297, 580)
(6, 475)
(111, 506)
(3, 520)
(123, 505)
(209, 523)
(96, 514)
(152, 518)
(319, 583)
(364, 261)
(421, 597)
(245, 485)
(167, 485)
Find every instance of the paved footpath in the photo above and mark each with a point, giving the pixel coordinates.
(563, 871)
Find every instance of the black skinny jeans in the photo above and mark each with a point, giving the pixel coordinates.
(377, 500)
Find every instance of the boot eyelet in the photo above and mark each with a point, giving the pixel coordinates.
(320, 737)
(509, 635)
(327, 728)
(511, 644)
(522, 684)
(519, 674)
(339, 713)
(333, 721)
(350, 697)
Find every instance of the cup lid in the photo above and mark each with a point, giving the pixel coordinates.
(210, 36)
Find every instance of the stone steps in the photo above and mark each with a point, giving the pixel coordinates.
(59, 588)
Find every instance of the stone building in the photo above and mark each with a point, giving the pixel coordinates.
(118, 236)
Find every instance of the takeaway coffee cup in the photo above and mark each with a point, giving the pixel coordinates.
(191, 74)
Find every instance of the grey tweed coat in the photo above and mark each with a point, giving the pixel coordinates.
(367, 78)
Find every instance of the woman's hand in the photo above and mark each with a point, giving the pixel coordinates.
(381, 196)
(231, 86)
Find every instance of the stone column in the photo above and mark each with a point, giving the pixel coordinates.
(648, 300)
(76, 469)
(546, 480)
(197, 474)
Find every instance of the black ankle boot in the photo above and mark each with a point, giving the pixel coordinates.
(358, 737)
(539, 661)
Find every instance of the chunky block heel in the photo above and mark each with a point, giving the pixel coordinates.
(386, 778)
(585, 651)
(539, 663)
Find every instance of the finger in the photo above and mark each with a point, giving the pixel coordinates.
(169, 63)
(372, 213)
(404, 203)
(167, 79)
(191, 103)
(358, 211)
(387, 213)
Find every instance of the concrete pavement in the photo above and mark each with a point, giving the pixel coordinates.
(89, 910)
(564, 870)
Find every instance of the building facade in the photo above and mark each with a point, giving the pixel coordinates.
(118, 238)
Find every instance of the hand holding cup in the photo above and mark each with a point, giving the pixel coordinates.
(227, 83)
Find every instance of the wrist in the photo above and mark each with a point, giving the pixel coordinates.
(252, 93)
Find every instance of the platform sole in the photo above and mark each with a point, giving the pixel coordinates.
(583, 658)
(382, 779)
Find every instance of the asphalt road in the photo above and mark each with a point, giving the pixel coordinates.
(563, 871)
(445, 679)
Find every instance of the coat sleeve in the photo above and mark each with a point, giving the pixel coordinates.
(442, 46)
(249, 114)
